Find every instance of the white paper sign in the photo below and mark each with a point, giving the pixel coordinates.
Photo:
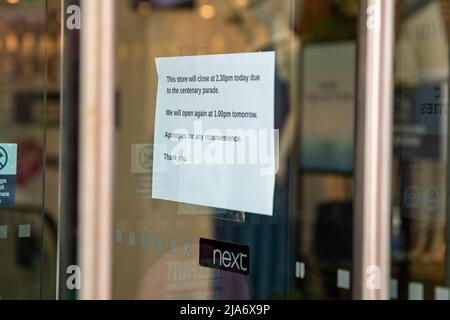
(215, 143)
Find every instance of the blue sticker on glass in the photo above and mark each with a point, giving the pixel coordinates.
(8, 171)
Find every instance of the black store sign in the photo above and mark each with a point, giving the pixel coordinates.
(225, 256)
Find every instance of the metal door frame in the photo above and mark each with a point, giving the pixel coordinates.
(374, 127)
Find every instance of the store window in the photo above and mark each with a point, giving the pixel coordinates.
(419, 213)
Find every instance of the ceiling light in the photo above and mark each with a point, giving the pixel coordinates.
(207, 11)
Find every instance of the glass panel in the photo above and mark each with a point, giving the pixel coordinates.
(27, 261)
(420, 211)
(69, 151)
(327, 126)
(305, 249)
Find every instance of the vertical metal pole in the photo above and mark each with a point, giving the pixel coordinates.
(96, 147)
(68, 167)
(373, 150)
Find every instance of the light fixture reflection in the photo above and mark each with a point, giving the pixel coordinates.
(143, 8)
(12, 43)
(207, 11)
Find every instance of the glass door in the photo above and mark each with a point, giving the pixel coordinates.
(303, 250)
(28, 151)
(420, 176)
(99, 100)
(360, 98)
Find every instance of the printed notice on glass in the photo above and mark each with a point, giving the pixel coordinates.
(215, 143)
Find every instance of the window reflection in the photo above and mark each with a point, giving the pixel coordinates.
(420, 217)
(28, 221)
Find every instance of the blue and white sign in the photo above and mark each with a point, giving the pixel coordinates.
(8, 171)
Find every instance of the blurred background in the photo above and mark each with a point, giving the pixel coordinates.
(305, 251)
